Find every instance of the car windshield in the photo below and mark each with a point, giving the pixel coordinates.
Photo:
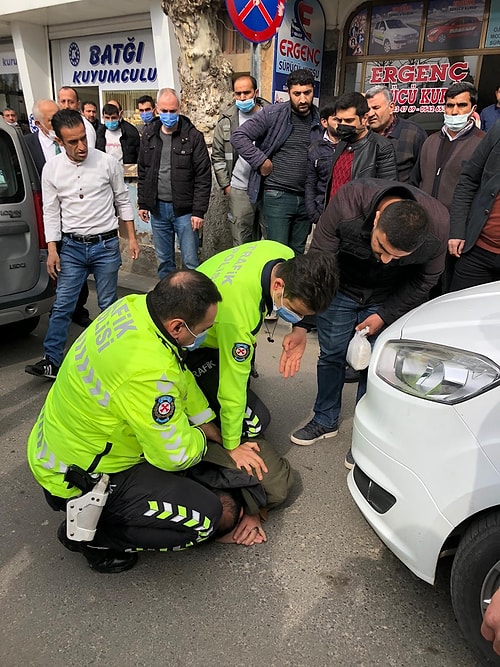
(11, 180)
(395, 23)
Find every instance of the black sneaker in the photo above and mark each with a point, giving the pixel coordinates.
(311, 433)
(106, 561)
(351, 375)
(349, 460)
(43, 369)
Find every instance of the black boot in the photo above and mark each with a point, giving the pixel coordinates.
(107, 561)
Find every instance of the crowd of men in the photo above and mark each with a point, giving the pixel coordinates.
(342, 218)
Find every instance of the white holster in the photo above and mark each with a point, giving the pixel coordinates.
(82, 513)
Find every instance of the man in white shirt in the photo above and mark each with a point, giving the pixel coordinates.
(80, 192)
(43, 147)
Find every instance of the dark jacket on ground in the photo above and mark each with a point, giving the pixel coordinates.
(441, 161)
(269, 129)
(130, 141)
(407, 139)
(319, 168)
(345, 229)
(373, 158)
(476, 190)
(190, 173)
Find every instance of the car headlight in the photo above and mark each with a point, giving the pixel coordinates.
(436, 372)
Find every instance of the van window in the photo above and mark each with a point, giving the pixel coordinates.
(11, 180)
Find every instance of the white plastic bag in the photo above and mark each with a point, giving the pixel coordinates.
(359, 350)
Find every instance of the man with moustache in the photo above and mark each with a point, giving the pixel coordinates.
(275, 142)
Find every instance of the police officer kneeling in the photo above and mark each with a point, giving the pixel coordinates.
(123, 417)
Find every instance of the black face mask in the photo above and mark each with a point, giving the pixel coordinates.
(347, 133)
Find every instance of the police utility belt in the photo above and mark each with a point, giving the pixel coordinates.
(83, 512)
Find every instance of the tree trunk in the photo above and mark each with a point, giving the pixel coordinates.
(205, 77)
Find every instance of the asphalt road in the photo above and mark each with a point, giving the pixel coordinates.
(322, 592)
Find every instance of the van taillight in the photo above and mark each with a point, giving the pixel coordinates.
(37, 202)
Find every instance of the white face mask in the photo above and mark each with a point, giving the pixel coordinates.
(456, 123)
(49, 133)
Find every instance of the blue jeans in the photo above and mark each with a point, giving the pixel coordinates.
(285, 219)
(165, 226)
(78, 261)
(335, 329)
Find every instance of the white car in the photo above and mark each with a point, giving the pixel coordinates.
(394, 35)
(426, 442)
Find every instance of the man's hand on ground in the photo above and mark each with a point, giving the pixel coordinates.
(245, 457)
(248, 532)
(293, 346)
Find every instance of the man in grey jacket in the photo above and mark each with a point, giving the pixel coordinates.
(232, 171)
(275, 142)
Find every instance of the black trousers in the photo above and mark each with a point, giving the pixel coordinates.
(475, 267)
(149, 508)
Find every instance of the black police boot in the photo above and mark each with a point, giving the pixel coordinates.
(106, 561)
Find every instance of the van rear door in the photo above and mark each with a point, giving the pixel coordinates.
(20, 260)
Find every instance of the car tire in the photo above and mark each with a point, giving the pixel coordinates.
(387, 46)
(442, 38)
(475, 576)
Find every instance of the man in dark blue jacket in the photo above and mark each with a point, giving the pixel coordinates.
(275, 142)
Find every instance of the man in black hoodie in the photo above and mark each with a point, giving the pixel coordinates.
(174, 182)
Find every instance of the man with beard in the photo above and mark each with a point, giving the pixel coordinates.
(275, 142)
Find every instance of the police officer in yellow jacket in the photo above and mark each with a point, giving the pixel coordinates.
(254, 279)
(125, 405)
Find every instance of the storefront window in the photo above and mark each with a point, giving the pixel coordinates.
(493, 34)
(418, 49)
(128, 100)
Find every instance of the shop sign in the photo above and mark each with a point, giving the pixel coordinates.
(8, 62)
(419, 86)
(395, 28)
(453, 24)
(493, 34)
(299, 45)
(113, 61)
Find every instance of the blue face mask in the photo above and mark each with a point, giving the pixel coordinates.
(198, 339)
(111, 124)
(285, 313)
(245, 105)
(168, 119)
(146, 116)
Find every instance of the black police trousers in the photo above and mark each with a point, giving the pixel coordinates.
(148, 508)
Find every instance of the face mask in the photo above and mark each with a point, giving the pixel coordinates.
(111, 124)
(245, 105)
(285, 313)
(169, 120)
(198, 339)
(49, 133)
(346, 133)
(456, 123)
(146, 116)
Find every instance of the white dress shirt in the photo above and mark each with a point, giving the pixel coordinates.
(90, 132)
(80, 197)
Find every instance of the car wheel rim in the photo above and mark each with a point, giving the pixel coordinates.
(490, 585)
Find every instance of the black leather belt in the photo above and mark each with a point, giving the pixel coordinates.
(96, 238)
